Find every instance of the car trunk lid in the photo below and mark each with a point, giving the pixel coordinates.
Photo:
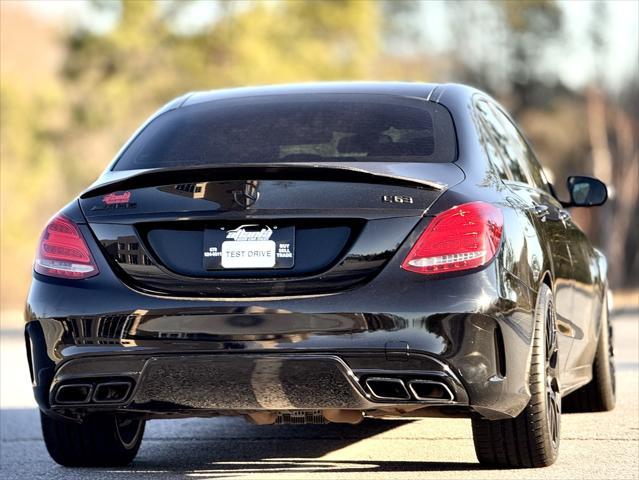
(207, 231)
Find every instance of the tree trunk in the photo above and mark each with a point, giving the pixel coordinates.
(615, 161)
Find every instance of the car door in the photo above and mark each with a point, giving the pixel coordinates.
(586, 304)
(532, 194)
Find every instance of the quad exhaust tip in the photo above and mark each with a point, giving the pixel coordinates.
(74, 393)
(96, 393)
(384, 388)
(387, 388)
(430, 390)
(111, 392)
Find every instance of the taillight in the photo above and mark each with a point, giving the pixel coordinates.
(464, 237)
(62, 251)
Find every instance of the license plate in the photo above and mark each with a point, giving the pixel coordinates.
(256, 254)
(249, 247)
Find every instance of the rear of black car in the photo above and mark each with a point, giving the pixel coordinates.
(278, 257)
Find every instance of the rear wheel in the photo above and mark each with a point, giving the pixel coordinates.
(532, 438)
(600, 394)
(101, 440)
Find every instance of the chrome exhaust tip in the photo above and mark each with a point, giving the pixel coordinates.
(111, 392)
(73, 393)
(387, 388)
(430, 390)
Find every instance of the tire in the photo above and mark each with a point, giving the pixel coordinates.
(599, 395)
(532, 438)
(101, 440)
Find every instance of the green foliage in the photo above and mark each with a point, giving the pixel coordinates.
(30, 166)
(535, 18)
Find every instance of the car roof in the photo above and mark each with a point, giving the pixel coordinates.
(409, 89)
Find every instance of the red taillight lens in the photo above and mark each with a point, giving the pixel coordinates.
(63, 252)
(464, 237)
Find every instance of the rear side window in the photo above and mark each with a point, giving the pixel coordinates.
(522, 152)
(487, 140)
(511, 151)
(520, 159)
(295, 128)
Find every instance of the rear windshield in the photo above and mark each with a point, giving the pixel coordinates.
(294, 128)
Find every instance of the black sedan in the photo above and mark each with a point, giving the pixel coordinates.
(321, 253)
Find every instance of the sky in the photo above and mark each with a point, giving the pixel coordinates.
(621, 25)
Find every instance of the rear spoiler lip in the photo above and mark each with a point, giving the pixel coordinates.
(374, 172)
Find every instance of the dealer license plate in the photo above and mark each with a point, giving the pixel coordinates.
(249, 247)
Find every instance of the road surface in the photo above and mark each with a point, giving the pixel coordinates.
(594, 446)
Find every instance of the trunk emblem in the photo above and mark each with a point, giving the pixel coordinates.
(397, 199)
(115, 198)
(114, 201)
(248, 196)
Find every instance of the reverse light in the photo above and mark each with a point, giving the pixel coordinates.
(63, 252)
(464, 237)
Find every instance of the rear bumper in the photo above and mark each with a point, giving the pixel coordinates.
(222, 383)
(206, 357)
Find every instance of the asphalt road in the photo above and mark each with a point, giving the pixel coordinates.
(594, 446)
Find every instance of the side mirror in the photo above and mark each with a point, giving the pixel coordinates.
(586, 192)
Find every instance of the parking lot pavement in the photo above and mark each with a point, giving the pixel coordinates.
(595, 446)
